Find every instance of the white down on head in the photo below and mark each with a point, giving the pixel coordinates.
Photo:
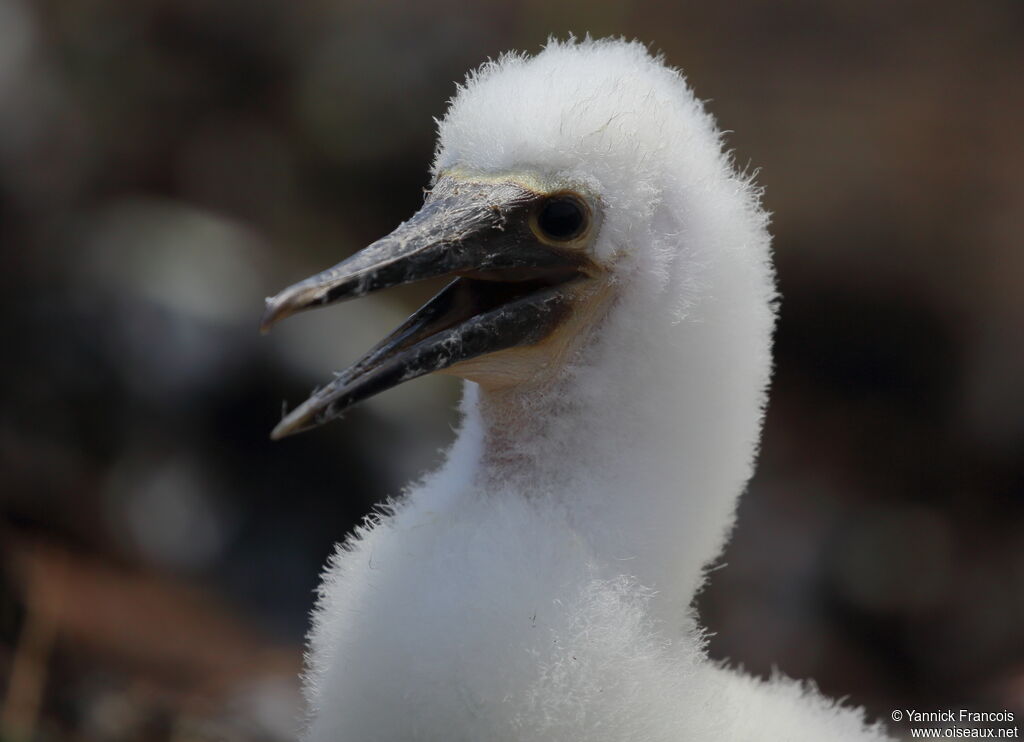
(539, 585)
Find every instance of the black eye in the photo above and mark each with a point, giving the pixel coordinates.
(562, 218)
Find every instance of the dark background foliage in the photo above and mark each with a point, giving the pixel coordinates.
(165, 164)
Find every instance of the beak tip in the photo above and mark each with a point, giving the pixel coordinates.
(274, 312)
(285, 428)
(299, 420)
(288, 302)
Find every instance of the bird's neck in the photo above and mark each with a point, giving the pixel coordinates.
(510, 420)
(644, 443)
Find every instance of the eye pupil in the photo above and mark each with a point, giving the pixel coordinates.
(561, 218)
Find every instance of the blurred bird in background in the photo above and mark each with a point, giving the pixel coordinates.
(164, 166)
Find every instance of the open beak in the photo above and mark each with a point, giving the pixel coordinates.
(511, 289)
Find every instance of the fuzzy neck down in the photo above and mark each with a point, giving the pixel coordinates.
(544, 574)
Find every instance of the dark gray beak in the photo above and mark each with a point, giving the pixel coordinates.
(511, 289)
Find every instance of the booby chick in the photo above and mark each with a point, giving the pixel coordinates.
(612, 308)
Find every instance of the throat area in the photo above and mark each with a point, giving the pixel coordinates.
(550, 439)
(520, 432)
(641, 442)
(571, 459)
(532, 404)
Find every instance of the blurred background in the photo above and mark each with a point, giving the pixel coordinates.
(165, 164)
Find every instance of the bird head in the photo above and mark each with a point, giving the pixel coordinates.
(526, 283)
(557, 179)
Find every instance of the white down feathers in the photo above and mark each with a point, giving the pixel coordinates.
(549, 599)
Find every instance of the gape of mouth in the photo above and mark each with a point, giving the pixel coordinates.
(464, 299)
(474, 315)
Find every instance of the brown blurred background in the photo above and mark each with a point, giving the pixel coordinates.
(165, 164)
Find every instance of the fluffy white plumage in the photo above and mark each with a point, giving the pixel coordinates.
(539, 585)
